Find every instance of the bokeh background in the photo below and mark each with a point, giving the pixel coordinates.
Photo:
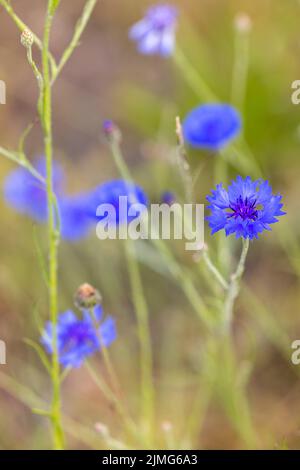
(107, 78)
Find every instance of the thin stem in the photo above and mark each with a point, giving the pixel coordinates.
(141, 309)
(112, 398)
(214, 270)
(240, 67)
(53, 236)
(234, 288)
(183, 164)
(223, 244)
(104, 351)
(80, 27)
(193, 78)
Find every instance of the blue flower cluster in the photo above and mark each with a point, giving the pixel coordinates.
(247, 208)
(155, 33)
(79, 338)
(27, 195)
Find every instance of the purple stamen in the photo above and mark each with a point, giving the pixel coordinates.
(244, 208)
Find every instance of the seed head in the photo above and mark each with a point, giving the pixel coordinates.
(27, 38)
(87, 296)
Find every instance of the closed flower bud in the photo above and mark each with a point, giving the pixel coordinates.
(87, 297)
(243, 23)
(27, 38)
(111, 131)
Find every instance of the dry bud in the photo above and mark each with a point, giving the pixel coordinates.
(27, 38)
(87, 296)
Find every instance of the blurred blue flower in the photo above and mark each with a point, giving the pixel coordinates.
(155, 33)
(211, 126)
(78, 338)
(168, 197)
(110, 192)
(247, 208)
(26, 194)
(75, 216)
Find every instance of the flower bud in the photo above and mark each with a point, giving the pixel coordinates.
(87, 296)
(243, 23)
(27, 38)
(111, 131)
(168, 198)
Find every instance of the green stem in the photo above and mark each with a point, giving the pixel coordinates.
(234, 288)
(46, 118)
(147, 388)
(240, 68)
(113, 399)
(193, 78)
(141, 309)
(214, 270)
(80, 27)
(104, 351)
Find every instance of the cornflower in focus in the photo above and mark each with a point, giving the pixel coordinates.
(155, 33)
(247, 208)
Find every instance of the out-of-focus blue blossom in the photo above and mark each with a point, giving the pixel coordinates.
(211, 126)
(155, 33)
(110, 192)
(247, 208)
(168, 198)
(75, 217)
(79, 338)
(26, 194)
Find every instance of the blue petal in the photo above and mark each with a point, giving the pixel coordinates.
(76, 221)
(108, 331)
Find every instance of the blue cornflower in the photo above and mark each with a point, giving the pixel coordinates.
(155, 33)
(211, 126)
(26, 194)
(110, 192)
(75, 216)
(78, 338)
(247, 208)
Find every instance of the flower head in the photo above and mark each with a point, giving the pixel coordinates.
(112, 193)
(155, 33)
(87, 296)
(79, 338)
(211, 126)
(26, 194)
(247, 208)
(27, 38)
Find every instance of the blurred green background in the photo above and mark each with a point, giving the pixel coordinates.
(107, 78)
